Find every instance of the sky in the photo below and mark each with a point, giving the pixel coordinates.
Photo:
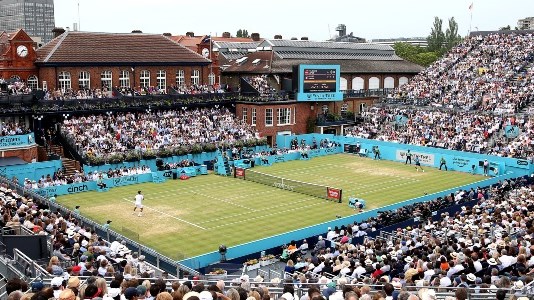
(315, 19)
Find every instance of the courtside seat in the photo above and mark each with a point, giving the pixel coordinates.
(103, 190)
(363, 153)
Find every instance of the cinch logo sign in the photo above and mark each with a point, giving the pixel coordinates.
(77, 189)
(333, 193)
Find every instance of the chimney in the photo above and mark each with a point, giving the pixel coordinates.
(190, 34)
(304, 38)
(137, 31)
(75, 27)
(278, 37)
(255, 37)
(58, 31)
(226, 35)
(294, 39)
(167, 34)
(67, 28)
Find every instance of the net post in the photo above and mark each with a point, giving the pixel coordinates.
(340, 195)
(235, 175)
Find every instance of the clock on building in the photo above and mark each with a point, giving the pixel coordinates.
(22, 51)
(206, 52)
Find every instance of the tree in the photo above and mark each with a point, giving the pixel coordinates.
(507, 27)
(452, 38)
(242, 33)
(436, 39)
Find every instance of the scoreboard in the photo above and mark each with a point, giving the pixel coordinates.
(317, 83)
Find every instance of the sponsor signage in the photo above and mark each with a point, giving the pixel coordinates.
(240, 172)
(424, 158)
(333, 193)
(16, 141)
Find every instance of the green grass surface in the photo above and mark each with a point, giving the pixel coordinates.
(192, 217)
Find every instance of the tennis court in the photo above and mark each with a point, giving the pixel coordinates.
(192, 217)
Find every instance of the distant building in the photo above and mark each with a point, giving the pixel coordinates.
(526, 23)
(342, 35)
(415, 41)
(36, 17)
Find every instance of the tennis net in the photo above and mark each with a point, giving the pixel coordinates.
(310, 189)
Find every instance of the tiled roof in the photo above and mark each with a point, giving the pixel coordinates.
(232, 39)
(255, 62)
(325, 44)
(190, 42)
(75, 47)
(235, 45)
(335, 55)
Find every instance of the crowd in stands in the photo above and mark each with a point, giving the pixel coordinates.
(82, 93)
(483, 72)
(103, 135)
(13, 128)
(449, 129)
(261, 84)
(14, 87)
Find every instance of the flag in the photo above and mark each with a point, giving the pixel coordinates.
(471, 6)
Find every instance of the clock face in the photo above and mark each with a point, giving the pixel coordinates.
(205, 52)
(22, 51)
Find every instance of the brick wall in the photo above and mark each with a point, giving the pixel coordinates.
(25, 154)
(49, 74)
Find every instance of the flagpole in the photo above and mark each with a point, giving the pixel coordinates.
(471, 17)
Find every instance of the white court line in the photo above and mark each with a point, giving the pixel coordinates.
(250, 212)
(222, 200)
(166, 214)
(267, 215)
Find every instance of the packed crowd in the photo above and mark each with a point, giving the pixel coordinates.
(481, 73)
(59, 177)
(103, 135)
(487, 247)
(449, 129)
(261, 84)
(199, 89)
(14, 87)
(13, 128)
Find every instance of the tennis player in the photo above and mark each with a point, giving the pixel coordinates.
(418, 164)
(139, 203)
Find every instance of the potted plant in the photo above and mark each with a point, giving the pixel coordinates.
(149, 154)
(252, 264)
(132, 156)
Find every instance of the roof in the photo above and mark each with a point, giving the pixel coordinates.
(190, 42)
(351, 66)
(255, 62)
(227, 45)
(95, 48)
(335, 55)
(324, 44)
(11, 161)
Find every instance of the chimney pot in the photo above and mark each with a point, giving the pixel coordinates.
(255, 37)
(304, 38)
(278, 37)
(136, 31)
(58, 31)
(190, 34)
(294, 39)
(226, 35)
(167, 34)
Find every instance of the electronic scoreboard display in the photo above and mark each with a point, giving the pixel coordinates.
(317, 82)
(320, 80)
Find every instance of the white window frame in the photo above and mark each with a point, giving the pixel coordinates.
(344, 108)
(195, 77)
(269, 117)
(161, 80)
(84, 80)
(244, 115)
(283, 116)
(106, 79)
(144, 78)
(211, 79)
(253, 117)
(33, 82)
(64, 81)
(124, 78)
(180, 78)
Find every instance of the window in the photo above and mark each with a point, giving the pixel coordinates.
(180, 78)
(64, 81)
(84, 80)
(403, 80)
(325, 109)
(343, 84)
(105, 79)
(124, 78)
(253, 118)
(161, 80)
(245, 115)
(268, 117)
(284, 116)
(374, 83)
(362, 107)
(144, 78)
(357, 83)
(195, 77)
(344, 107)
(33, 82)
(211, 79)
(389, 83)
(15, 78)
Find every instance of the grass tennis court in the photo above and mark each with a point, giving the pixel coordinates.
(192, 217)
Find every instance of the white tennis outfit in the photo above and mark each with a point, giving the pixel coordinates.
(139, 200)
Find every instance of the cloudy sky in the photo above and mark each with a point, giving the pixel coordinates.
(316, 19)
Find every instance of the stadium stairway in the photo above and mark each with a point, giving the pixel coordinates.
(71, 166)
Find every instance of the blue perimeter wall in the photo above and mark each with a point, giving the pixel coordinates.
(456, 160)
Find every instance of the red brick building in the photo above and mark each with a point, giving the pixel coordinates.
(17, 56)
(76, 60)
